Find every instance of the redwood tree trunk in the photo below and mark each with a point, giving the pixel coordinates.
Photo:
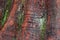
(35, 12)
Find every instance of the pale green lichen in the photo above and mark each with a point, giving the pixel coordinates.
(21, 15)
(43, 22)
(43, 28)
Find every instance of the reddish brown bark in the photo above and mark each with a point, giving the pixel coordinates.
(10, 26)
(32, 7)
(53, 23)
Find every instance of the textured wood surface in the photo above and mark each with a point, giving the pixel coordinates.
(34, 11)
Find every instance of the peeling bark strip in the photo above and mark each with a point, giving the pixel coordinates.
(10, 26)
(51, 19)
(11, 19)
(58, 20)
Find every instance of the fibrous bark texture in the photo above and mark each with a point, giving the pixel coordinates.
(29, 19)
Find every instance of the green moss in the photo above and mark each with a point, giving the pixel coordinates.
(6, 11)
